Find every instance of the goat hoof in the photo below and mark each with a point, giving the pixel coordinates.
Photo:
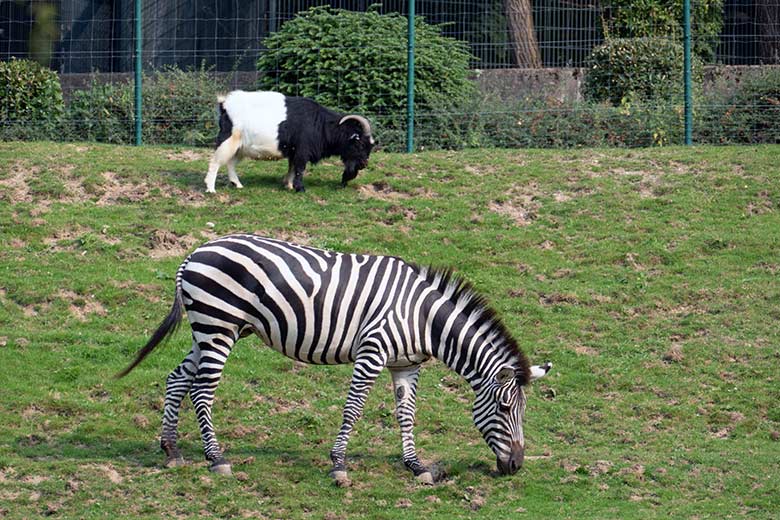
(300, 189)
(237, 185)
(425, 478)
(175, 462)
(340, 478)
(221, 467)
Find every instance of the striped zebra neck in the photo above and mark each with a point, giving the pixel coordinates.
(466, 334)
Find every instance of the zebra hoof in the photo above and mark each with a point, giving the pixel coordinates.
(175, 462)
(221, 467)
(340, 478)
(425, 478)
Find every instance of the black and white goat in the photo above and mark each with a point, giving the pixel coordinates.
(270, 125)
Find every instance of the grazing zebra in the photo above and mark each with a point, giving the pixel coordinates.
(329, 308)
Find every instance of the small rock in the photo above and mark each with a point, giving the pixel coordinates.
(433, 498)
(775, 435)
(210, 225)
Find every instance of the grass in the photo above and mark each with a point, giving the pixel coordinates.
(648, 277)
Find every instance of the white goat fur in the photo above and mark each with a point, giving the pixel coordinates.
(256, 117)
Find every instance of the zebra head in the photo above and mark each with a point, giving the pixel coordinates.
(498, 413)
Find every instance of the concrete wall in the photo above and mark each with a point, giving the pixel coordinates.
(563, 84)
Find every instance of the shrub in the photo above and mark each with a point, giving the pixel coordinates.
(179, 106)
(31, 103)
(753, 112)
(357, 62)
(637, 69)
(103, 112)
(663, 18)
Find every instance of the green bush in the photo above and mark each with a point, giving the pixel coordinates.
(179, 106)
(637, 69)
(663, 18)
(357, 62)
(31, 103)
(753, 112)
(103, 112)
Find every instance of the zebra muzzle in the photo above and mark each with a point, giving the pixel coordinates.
(514, 462)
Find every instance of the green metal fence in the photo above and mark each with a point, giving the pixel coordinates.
(545, 73)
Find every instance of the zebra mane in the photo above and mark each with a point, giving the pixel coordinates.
(462, 293)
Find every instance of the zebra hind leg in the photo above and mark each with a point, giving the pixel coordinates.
(213, 354)
(405, 390)
(177, 386)
(365, 373)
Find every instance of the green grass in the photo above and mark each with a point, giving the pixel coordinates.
(648, 277)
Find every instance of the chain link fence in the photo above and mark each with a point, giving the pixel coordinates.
(540, 73)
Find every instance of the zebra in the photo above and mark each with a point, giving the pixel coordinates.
(324, 308)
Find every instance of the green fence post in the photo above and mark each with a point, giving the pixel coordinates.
(410, 82)
(687, 71)
(138, 47)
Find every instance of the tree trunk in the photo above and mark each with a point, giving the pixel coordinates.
(520, 20)
(768, 22)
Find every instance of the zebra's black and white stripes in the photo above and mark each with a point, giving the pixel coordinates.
(322, 307)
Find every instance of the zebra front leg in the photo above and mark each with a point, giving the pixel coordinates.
(177, 386)
(212, 360)
(363, 376)
(405, 390)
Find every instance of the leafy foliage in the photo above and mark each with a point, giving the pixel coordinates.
(178, 108)
(31, 102)
(636, 69)
(755, 108)
(102, 112)
(663, 18)
(357, 61)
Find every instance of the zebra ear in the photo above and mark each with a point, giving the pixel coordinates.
(538, 371)
(505, 375)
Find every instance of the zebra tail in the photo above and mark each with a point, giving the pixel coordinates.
(165, 330)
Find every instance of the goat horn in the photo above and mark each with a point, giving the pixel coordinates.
(360, 119)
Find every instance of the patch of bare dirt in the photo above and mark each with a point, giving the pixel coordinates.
(301, 238)
(480, 170)
(80, 306)
(600, 467)
(674, 354)
(148, 291)
(734, 419)
(383, 191)
(584, 350)
(14, 186)
(522, 204)
(165, 244)
(558, 299)
(69, 234)
(111, 473)
(761, 205)
(280, 405)
(116, 190)
(74, 187)
(649, 181)
(187, 156)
